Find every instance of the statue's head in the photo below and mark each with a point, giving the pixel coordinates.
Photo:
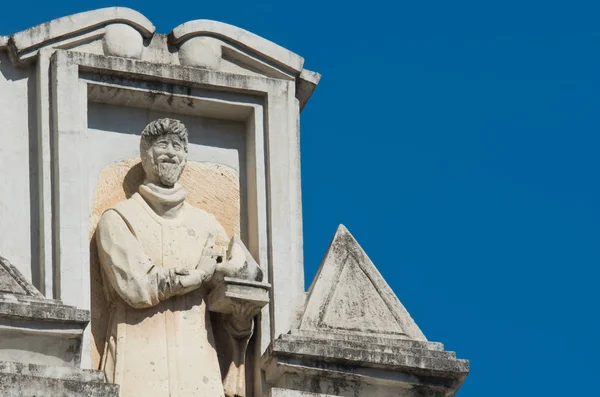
(163, 149)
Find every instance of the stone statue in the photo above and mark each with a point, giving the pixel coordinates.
(160, 257)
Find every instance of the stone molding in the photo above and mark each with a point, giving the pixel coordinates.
(27, 42)
(200, 43)
(34, 329)
(277, 392)
(31, 380)
(40, 344)
(241, 37)
(330, 363)
(264, 47)
(305, 85)
(355, 338)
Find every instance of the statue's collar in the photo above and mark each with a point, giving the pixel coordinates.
(157, 196)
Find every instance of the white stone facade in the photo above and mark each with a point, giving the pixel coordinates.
(76, 92)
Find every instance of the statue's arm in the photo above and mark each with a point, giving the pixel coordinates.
(130, 271)
(124, 263)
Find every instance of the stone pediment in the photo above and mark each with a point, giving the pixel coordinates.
(36, 330)
(206, 44)
(13, 282)
(350, 295)
(240, 38)
(28, 42)
(356, 338)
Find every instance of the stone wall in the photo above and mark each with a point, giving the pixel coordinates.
(18, 157)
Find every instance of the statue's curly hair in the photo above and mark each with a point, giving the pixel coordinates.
(164, 126)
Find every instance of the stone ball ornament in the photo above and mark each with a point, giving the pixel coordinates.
(122, 40)
(204, 52)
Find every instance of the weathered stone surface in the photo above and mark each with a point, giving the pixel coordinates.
(27, 43)
(349, 294)
(16, 112)
(158, 256)
(40, 344)
(305, 86)
(203, 52)
(276, 208)
(213, 187)
(343, 368)
(356, 339)
(277, 392)
(415, 359)
(232, 292)
(34, 329)
(365, 338)
(13, 282)
(41, 309)
(296, 342)
(122, 40)
(238, 301)
(240, 37)
(28, 380)
(46, 371)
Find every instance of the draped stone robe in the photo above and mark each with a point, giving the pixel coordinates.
(157, 346)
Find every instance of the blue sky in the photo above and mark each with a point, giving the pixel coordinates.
(458, 141)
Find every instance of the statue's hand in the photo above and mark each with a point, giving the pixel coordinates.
(208, 265)
(190, 279)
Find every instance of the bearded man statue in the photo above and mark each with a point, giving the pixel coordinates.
(158, 255)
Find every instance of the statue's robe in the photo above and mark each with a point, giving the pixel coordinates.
(157, 345)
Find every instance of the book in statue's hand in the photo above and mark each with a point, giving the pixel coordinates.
(237, 263)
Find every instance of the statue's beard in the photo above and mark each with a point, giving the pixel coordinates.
(168, 172)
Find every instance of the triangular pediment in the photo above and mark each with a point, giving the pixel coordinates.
(13, 282)
(350, 295)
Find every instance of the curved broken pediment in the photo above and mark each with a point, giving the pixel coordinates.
(26, 43)
(126, 33)
(262, 47)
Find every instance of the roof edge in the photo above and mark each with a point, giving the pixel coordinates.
(306, 84)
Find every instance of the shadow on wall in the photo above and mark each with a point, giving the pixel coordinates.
(9, 71)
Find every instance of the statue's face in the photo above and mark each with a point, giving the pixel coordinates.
(165, 159)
